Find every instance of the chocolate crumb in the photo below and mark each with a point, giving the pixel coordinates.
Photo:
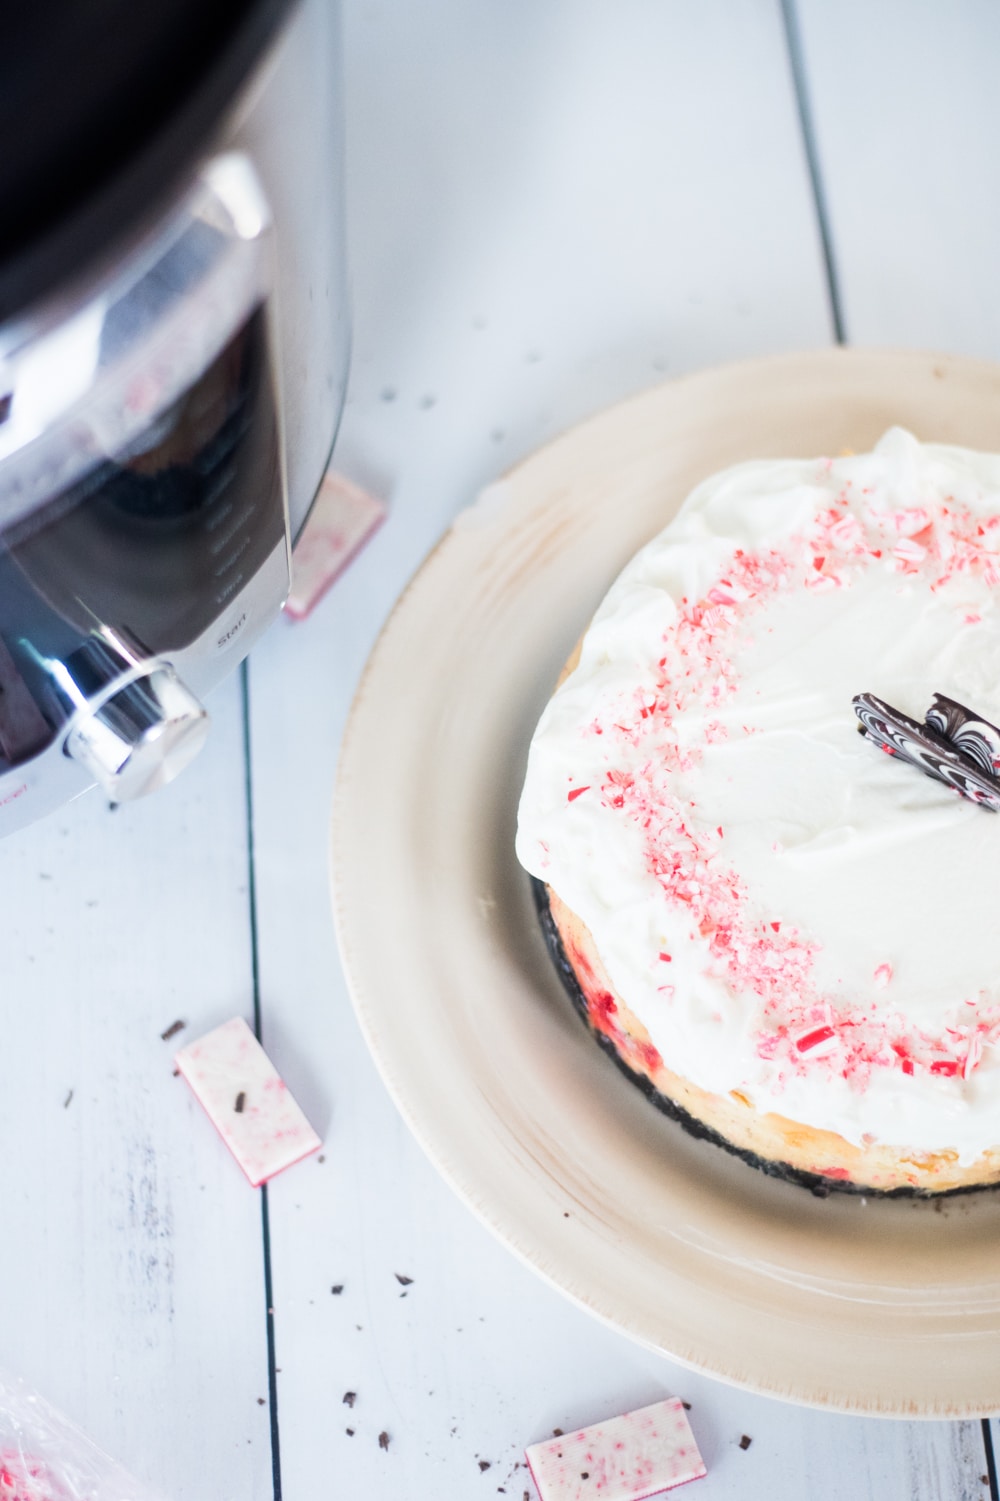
(321, 1157)
(241, 1100)
(383, 1440)
(686, 1405)
(403, 1281)
(557, 1433)
(984, 1480)
(484, 1465)
(349, 1398)
(337, 1289)
(261, 1401)
(349, 1432)
(745, 1441)
(172, 1030)
(584, 1474)
(67, 1100)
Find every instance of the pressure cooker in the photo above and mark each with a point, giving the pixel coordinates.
(173, 356)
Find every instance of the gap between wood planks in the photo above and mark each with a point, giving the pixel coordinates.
(793, 41)
(265, 1220)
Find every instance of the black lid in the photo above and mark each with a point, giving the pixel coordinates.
(104, 105)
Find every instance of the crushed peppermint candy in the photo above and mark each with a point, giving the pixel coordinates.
(802, 1028)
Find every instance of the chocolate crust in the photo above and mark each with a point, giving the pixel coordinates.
(817, 1184)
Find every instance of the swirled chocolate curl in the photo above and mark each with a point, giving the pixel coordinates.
(926, 748)
(971, 735)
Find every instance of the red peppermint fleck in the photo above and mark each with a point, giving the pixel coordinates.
(946, 1067)
(813, 1039)
(576, 792)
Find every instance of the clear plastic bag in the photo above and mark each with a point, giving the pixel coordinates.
(45, 1457)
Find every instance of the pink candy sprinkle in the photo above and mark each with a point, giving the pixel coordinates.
(639, 1454)
(246, 1101)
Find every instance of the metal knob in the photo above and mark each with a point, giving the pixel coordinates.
(141, 737)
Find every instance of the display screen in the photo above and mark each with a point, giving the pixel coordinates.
(154, 542)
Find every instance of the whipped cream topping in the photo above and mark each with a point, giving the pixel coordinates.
(789, 912)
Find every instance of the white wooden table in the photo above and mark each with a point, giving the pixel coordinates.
(553, 203)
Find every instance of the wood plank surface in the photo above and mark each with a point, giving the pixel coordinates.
(550, 207)
(132, 1273)
(904, 101)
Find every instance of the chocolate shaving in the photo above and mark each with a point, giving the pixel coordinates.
(745, 1441)
(241, 1100)
(383, 1440)
(926, 748)
(403, 1281)
(349, 1398)
(172, 1030)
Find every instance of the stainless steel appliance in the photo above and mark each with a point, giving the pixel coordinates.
(173, 353)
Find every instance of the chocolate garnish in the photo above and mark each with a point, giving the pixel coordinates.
(928, 749)
(971, 735)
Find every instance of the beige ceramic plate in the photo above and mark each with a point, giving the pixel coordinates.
(878, 1307)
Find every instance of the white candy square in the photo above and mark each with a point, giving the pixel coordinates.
(343, 517)
(639, 1454)
(247, 1101)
